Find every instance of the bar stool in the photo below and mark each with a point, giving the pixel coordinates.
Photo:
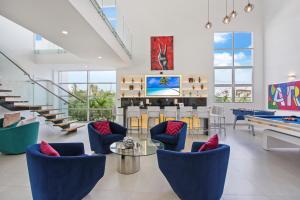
(202, 113)
(170, 112)
(133, 112)
(218, 115)
(186, 112)
(153, 112)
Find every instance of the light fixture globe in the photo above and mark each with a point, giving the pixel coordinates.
(208, 25)
(233, 14)
(226, 19)
(249, 7)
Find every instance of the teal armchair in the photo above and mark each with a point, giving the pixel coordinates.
(14, 140)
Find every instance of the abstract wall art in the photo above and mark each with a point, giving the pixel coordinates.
(162, 53)
(284, 96)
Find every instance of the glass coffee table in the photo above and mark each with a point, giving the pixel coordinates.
(129, 159)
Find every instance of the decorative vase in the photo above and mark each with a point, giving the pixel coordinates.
(128, 142)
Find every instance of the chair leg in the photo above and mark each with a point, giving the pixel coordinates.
(234, 123)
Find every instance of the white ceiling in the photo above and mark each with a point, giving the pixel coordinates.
(49, 17)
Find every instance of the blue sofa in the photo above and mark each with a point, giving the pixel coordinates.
(195, 175)
(101, 143)
(68, 177)
(173, 143)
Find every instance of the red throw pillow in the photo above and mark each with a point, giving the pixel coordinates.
(212, 143)
(47, 149)
(103, 127)
(173, 127)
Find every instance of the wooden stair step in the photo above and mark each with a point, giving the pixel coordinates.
(9, 96)
(53, 114)
(16, 101)
(1, 90)
(66, 123)
(73, 129)
(44, 110)
(57, 120)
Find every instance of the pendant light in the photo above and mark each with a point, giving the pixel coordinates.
(226, 19)
(208, 25)
(249, 7)
(233, 14)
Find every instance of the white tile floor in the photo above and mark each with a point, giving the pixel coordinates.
(253, 174)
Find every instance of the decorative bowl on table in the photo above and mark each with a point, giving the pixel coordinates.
(128, 142)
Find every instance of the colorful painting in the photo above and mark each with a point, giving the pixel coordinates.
(284, 96)
(162, 57)
(163, 85)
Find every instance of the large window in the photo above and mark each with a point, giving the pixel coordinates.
(96, 88)
(233, 67)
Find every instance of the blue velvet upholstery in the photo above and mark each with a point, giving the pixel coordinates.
(68, 177)
(195, 175)
(101, 143)
(174, 143)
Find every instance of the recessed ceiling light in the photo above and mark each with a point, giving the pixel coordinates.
(99, 57)
(64, 32)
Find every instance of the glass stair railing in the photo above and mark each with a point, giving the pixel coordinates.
(108, 10)
(19, 91)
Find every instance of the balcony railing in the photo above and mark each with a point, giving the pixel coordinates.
(108, 10)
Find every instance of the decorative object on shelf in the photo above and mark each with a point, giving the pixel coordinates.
(208, 25)
(190, 94)
(123, 80)
(128, 142)
(123, 94)
(131, 87)
(193, 87)
(162, 57)
(249, 7)
(142, 80)
(199, 79)
(132, 80)
(191, 80)
(139, 94)
(202, 86)
(142, 87)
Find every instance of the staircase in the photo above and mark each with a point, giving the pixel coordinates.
(52, 115)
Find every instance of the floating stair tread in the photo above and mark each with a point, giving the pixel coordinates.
(5, 90)
(58, 119)
(53, 114)
(44, 110)
(72, 129)
(66, 123)
(9, 96)
(16, 101)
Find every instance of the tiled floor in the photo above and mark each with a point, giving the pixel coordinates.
(253, 174)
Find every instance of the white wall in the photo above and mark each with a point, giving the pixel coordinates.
(193, 44)
(281, 41)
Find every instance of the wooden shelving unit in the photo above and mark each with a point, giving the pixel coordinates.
(191, 86)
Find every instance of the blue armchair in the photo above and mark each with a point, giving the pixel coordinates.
(195, 175)
(71, 176)
(171, 142)
(101, 143)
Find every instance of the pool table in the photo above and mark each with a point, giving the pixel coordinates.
(279, 128)
(240, 113)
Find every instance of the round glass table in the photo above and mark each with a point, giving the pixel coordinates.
(129, 159)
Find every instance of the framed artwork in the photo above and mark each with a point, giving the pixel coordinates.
(162, 53)
(284, 96)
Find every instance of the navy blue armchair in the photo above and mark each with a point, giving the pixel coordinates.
(101, 143)
(68, 177)
(171, 142)
(195, 175)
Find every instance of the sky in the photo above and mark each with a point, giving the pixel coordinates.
(154, 82)
(224, 56)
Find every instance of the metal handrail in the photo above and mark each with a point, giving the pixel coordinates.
(63, 89)
(31, 79)
(116, 35)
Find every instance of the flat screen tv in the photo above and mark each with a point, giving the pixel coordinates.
(163, 85)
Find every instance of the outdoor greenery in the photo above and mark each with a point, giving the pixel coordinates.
(101, 103)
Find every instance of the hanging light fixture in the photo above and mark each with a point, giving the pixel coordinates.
(208, 25)
(249, 7)
(233, 13)
(226, 19)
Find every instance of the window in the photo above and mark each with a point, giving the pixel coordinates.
(41, 45)
(96, 88)
(233, 67)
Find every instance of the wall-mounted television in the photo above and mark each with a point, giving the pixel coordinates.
(163, 85)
